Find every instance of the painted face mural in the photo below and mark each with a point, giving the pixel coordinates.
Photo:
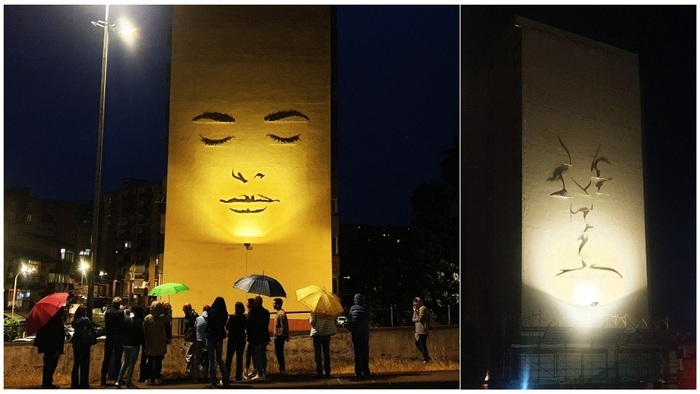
(249, 149)
(242, 203)
(257, 179)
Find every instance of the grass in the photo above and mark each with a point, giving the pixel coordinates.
(345, 366)
(397, 355)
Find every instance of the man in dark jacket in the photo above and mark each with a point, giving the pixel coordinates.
(259, 336)
(114, 327)
(50, 339)
(358, 325)
(133, 341)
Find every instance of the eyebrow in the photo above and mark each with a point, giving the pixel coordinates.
(215, 116)
(279, 115)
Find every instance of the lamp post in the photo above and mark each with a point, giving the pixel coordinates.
(105, 26)
(22, 270)
(95, 234)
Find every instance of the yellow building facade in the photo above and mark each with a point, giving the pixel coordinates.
(249, 180)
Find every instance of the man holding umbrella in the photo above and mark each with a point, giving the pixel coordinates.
(259, 336)
(50, 339)
(322, 329)
(324, 306)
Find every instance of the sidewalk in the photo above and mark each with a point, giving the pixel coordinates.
(404, 380)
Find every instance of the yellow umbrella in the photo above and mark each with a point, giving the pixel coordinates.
(320, 301)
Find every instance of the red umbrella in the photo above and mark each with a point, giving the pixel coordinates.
(44, 310)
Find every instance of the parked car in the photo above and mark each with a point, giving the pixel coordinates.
(341, 321)
(25, 339)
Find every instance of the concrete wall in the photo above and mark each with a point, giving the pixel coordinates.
(388, 346)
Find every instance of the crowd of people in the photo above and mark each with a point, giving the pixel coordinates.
(134, 330)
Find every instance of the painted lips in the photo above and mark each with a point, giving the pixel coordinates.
(249, 199)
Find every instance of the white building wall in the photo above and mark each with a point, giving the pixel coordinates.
(581, 270)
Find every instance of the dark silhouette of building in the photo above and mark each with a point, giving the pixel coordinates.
(132, 239)
(52, 239)
(47, 236)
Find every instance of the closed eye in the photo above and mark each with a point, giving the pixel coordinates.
(284, 140)
(212, 142)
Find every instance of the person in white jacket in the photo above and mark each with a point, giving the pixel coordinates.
(322, 329)
(421, 315)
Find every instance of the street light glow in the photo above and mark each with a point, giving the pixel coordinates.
(24, 269)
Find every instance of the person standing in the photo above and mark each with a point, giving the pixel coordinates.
(250, 304)
(235, 326)
(358, 325)
(190, 336)
(80, 375)
(259, 336)
(168, 313)
(49, 340)
(322, 329)
(114, 327)
(144, 372)
(200, 326)
(216, 332)
(281, 333)
(421, 314)
(133, 340)
(156, 342)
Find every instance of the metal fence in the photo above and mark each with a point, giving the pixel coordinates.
(379, 317)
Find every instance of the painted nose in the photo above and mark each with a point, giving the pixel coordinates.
(240, 177)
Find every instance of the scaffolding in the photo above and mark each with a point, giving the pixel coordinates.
(642, 356)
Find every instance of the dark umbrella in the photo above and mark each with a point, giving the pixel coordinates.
(261, 284)
(44, 310)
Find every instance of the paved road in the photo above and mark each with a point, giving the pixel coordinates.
(404, 380)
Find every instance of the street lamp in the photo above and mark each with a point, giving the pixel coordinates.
(106, 28)
(83, 268)
(23, 270)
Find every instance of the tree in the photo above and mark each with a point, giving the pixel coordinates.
(390, 265)
(435, 235)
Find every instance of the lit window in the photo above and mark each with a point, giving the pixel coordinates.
(67, 255)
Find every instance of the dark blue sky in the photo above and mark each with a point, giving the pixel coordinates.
(397, 93)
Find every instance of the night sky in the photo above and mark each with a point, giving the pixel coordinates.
(664, 38)
(397, 93)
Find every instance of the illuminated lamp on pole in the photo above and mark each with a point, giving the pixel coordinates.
(95, 234)
(23, 270)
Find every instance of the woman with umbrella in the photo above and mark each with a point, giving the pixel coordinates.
(50, 339)
(80, 376)
(155, 342)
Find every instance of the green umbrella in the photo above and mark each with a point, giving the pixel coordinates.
(167, 289)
